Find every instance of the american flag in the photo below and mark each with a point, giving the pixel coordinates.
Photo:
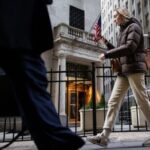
(97, 29)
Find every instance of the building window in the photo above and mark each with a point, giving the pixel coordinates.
(141, 21)
(111, 39)
(119, 3)
(133, 12)
(111, 14)
(77, 70)
(110, 2)
(145, 3)
(76, 18)
(127, 5)
(111, 27)
(139, 7)
(147, 20)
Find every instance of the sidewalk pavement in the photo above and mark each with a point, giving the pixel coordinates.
(118, 141)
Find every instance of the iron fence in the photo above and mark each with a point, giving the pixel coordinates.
(78, 92)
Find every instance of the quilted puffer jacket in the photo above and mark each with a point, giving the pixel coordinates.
(130, 48)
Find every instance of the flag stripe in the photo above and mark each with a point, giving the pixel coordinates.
(97, 28)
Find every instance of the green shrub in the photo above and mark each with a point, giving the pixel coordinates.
(100, 104)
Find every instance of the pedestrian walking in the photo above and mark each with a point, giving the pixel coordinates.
(131, 54)
(25, 32)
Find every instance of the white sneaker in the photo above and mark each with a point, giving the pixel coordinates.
(99, 139)
(146, 143)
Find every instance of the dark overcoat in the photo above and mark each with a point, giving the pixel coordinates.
(25, 25)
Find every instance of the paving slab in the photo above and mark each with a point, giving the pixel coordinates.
(118, 141)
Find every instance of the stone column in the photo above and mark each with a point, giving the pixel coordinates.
(62, 92)
(55, 85)
(47, 56)
(99, 81)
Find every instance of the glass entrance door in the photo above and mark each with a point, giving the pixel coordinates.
(76, 103)
(73, 106)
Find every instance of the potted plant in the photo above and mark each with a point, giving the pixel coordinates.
(86, 115)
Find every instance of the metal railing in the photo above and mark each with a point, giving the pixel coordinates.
(77, 87)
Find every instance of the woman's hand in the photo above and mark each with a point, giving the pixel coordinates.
(102, 57)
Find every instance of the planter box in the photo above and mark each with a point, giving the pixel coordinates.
(141, 122)
(86, 118)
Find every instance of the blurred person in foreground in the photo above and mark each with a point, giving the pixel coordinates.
(131, 54)
(25, 32)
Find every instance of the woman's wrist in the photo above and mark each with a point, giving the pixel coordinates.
(106, 55)
(106, 42)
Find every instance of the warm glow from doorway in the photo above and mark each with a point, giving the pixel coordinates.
(89, 95)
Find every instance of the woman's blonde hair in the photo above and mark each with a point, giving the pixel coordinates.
(124, 12)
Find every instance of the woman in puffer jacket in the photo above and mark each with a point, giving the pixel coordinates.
(130, 51)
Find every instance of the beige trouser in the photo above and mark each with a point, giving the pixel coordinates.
(137, 83)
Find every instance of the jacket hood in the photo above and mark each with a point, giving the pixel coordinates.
(134, 20)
